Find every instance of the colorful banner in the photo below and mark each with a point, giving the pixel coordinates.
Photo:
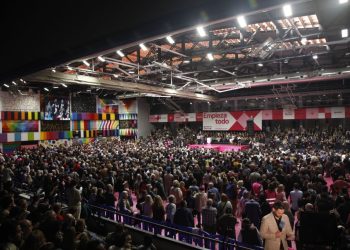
(107, 105)
(20, 126)
(107, 125)
(127, 116)
(7, 115)
(128, 132)
(94, 116)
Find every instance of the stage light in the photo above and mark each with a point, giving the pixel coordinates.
(241, 21)
(46, 89)
(7, 86)
(120, 53)
(86, 63)
(344, 33)
(315, 57)
(201, 31)
(64, 85)
(143, 47)
(210, 56)
(170, 39)
(287, 10)
(100, 58)
(303, 41)
(14, 83)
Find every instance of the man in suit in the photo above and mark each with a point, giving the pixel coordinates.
(275, 228)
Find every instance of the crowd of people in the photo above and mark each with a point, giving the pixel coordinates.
(266, 188)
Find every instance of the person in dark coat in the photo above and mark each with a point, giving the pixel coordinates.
(183, 216)
(226, 224)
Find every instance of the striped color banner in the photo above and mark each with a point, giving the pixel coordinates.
(94, 116)
(24, 116)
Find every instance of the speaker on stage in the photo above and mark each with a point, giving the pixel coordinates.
(250, 126)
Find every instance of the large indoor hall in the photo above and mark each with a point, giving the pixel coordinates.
(160, 125)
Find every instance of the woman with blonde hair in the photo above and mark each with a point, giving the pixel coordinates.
(176, 191)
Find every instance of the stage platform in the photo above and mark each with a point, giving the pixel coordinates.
(219, 147)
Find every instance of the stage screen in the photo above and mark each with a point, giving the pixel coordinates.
(57, 108)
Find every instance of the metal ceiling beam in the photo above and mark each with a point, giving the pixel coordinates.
(272, 96)
(49, 77)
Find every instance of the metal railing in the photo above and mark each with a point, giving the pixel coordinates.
(192, 236)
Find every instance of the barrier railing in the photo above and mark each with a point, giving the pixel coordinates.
(192, 236)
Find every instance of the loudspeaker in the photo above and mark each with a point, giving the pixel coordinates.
(250, 127)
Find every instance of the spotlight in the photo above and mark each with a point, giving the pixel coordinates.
(14, 83)
(101, 59)
(260, 64)
(64, 85)
(53, 70)
(210, 56)
(143, 47)
(303, 41)
(46, 89)
(7, 86)
(86, 63)
(170, 39)
(241, 21)
(120, 53)
(287, 10)
(201, 31)
(315, 57)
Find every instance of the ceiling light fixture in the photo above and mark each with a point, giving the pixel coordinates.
(21, 80)
(343, 1)
(303, 40)
(55, 87)
(170, 39)
(7, 86)
(215, 71)
(287, 10)
(315, 57)
(120, 53)
(260, 64)
(186, 61)
(86, 63)
(46, 89)
(53, 70)
(116, 76)
(69, 68)
(143, 47)
(210, 56)
(241, 21)
(344, 33)
(201, 31)
(14, 83)
(64, 85)
(100, 58)
(131, 72)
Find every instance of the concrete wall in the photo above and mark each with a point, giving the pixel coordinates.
(10, 102)
(144, 126)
